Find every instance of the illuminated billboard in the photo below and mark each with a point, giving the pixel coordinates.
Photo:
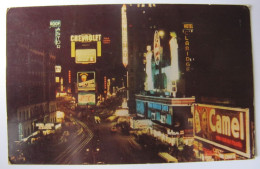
(85, 56)
(45, 126)
(57, 69)
(85, 48)
(86, 98)
(85, 38)
(86, 81)
(224, 127)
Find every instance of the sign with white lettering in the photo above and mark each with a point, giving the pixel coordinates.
(45, 126)
(56, 24)
(172, 133)
(224, 127)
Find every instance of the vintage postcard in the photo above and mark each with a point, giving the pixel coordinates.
(129, 84)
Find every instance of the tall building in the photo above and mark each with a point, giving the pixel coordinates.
(210, 71)
(156, 73)
(30, 77)
(30, 88)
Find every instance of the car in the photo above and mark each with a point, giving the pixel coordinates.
(113, 129)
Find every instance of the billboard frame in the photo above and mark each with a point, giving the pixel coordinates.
(86, 88)
(247, 152)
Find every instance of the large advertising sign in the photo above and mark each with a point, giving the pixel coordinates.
(86, 98)
(86, 81)
(85, 56)
(224, 127)
(85, 48)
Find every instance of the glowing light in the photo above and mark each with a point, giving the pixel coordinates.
(174, 56)
(124, 104)
(122, 112)
(148, 67)
(69, 75)
(161, 33)
(156, 47)
(60, 114)
(85, 38)
(124, 37)
(57, 69)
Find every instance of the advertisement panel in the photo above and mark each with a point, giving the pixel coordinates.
(225, 127)
(86, 56)
(85, 48)
(86, 81)
(86, 98)
(45, 126)
(57, 69)
(140, 124)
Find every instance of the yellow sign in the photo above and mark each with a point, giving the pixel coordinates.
(73, 50)
(99, 48)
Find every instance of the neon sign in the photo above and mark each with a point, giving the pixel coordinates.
(187, 30)
(124, 37)
(156, 47)
(85, 38)
(56, 24)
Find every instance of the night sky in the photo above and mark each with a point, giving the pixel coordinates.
(221, 42)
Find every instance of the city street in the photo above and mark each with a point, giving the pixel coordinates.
(109, 147)
(88, 143)
(129, 84)
(117, 148)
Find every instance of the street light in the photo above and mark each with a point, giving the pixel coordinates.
(161, 33)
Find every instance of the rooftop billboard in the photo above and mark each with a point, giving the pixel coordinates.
(224, 127)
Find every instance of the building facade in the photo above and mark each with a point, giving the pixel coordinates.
(30, 89)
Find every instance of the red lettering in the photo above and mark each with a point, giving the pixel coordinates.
(229, 141)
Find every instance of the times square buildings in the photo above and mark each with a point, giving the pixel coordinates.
(218, 127)
(176, 88)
